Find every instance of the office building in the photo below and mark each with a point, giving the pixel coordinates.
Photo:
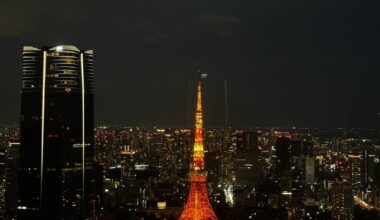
(11, 167)
(56, 169)
(283, 153)
(342, 201)
(309, 170)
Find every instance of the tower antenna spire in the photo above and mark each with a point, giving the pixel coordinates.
(198, 206)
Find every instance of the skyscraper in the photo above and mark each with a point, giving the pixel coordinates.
(248, 167)
(283, 153)
(342, 201)
(367, 171)
(11, 167)
(283, 168)
(309, 170)
(56, 172)
(355, 162)
(2, 180)
(198, 206)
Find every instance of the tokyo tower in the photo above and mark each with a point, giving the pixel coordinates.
(198, 206)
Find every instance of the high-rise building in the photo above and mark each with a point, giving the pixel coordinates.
(283, 153)
(355, 162)
(308, 149)
(248, 167)
(2, 162)
(56, 169)
(283, 167)
(309, 170)
(198, 205)
(247, 140)
(367, 168)
(247, 170)
(342, 201)
(2, 180)
(11, 167)
(301, 148)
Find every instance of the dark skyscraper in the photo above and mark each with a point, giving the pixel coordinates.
(309, 170)
(367, 169)
(11, 167)
(341, 196)
(246, 160)
(283, 167)
(248, 167)
(248, 141)
(56, 172)
(283, 153)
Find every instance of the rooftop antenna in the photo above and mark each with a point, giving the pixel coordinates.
(225, 104)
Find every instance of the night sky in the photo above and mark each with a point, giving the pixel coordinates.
(287, 62)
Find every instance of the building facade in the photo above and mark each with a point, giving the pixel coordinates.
(342, 201)
(10, 176)
(56, 169)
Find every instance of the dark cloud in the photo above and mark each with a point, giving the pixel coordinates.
(287, 62)
(213, 18)
(18, 17)
(13, 21)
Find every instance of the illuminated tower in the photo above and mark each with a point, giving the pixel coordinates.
(56, 172)
(198, 206)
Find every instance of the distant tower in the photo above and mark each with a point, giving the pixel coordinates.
(189, 101)
(198, 206)
(56, 172)
(225, 104)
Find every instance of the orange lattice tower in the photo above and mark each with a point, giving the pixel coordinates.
(198, 206)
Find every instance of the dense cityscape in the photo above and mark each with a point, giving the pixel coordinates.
(58, 165)
(189, 110)
(257, 173)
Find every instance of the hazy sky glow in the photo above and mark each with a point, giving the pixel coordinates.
(302, 63)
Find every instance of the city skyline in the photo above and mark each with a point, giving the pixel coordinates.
(189, 110)
(287, 64)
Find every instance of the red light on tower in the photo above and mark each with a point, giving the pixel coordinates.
(198, 206)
